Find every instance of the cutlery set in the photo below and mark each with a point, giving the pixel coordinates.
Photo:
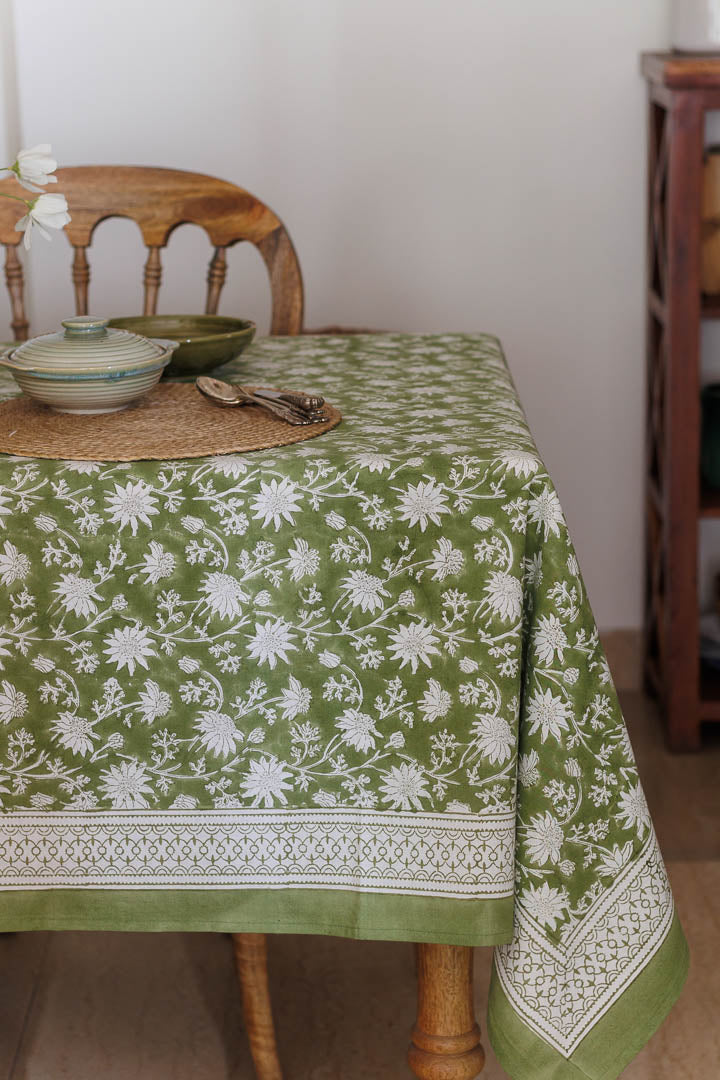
(296, 409)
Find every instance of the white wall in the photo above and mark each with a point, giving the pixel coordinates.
(441, 164)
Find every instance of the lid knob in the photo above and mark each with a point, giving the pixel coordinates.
(85, 326)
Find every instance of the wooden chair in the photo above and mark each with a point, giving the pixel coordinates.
(159, 200)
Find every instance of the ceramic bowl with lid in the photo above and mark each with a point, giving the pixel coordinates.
(87, 367)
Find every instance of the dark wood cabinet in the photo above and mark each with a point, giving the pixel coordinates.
(681, 90)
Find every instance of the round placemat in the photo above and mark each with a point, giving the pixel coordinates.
(173, 421)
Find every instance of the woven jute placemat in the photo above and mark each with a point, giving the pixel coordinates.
(173, 421)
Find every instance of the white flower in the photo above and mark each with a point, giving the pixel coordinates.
(45, 523)
(42, 663)
(396, 740)
(544, 839)
(455, 807)
(230, 465)
(573, 768)
(467, 666)
(218, 733)
(571, 675)
(295, 699)
(335, 521)
(128, 647)
(83, 468)
(545, 510)
(34, 166)
(364, 590)
(414, 643)
(358, 730)
(528, 773)
(572, 565)
(270, 641)
(158, 563)
(45, 212)
(436, 702)
(545, 904)
(482, 523)
(325, 799)
(14, 566)
(188, 664)
(302, 561)
(446, 560)
(263, 599)
(404, 787)
(4, 509)
(613, 862)
(130, 504)
(422, 503)
(13, 702)
(633, 809)
(329, 659)
(267, 781)
(277, 502)
(224, 595)
(406, 598)
(127, 785)
(154, 702)
(192, 524)
(548, 714)
(75, 733)
(504, 595)
(6, 652)
(77, 594)
(520, 462)
(184, 802)
(119, 602)
(549, 639)
(372, 462)
(533, 572)
(494, 738)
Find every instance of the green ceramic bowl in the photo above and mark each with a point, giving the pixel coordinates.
(207, 341)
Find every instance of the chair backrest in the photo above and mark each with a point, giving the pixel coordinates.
(159, 200)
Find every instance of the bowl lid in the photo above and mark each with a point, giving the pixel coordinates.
(87, 343)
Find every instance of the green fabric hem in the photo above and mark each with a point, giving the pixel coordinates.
(613, 1042)
(366, 916)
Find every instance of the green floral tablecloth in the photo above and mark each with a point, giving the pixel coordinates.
(352, 686)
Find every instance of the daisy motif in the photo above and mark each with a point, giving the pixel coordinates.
(83, 468)
(358, 730)
(616, 860)
(364, 590)
(446, 560)
(218, 733)
(74, 733)
(271, 641)
(267, 781)
(520, 462)
(294, 699)
(422, 503)
(184, 802)
(372, 462)
(131, 504)
(413, 644)
(154, 702)
(504, 595)
(128, 647)
(13, 702)
(277, 502)
(405, 786)
(549, 639)
(545, 904)
(126, 785)
(528, 773)
(435, 702)
(548, 714)
(633, 810)
(230, 465)
(14, 566)
(224, 595)
(544, 839)
(158, 563)
(545, 511)
(494, 738)
(302, 561)
(77, 594)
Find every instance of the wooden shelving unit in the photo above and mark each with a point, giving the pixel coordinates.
(681, 90)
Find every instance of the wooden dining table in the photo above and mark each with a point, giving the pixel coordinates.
(349, 687)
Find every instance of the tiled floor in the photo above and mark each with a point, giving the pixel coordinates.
(165, 1006)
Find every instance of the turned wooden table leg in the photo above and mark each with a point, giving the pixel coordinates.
(446, 1038)
(251, 965)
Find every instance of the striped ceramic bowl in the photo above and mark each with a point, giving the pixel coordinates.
(88, 368)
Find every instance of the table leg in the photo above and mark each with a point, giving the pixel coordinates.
(251, 965)
(446, 1038)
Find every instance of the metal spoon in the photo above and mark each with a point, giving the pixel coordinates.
(229, 396)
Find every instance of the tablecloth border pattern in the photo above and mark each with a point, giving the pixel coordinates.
(458, 856)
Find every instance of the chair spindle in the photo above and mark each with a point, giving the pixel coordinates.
(215, 279)
(15, 283)
(152, 279)
(81, 280)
